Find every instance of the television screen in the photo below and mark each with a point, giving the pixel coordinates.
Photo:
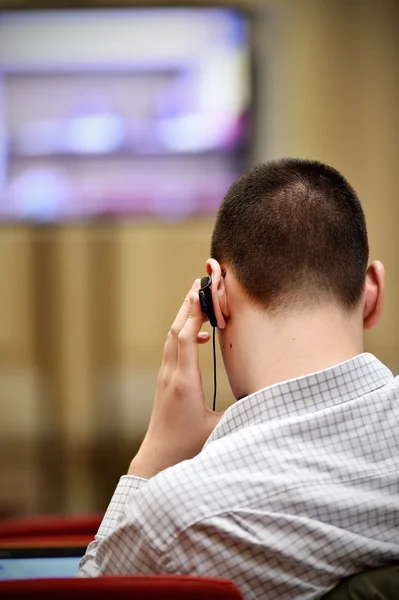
(121, 112)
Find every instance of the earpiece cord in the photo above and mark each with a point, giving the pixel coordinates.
(214, 369)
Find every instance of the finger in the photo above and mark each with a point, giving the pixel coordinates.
(203, 337)
(184, 311)
(170, 349)
(187, 355)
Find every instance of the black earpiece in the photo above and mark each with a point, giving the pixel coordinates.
(205, 296)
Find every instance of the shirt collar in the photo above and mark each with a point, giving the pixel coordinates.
(341, 383)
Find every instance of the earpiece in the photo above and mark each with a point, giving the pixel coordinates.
(205, 296)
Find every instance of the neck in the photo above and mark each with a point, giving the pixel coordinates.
(275, 350)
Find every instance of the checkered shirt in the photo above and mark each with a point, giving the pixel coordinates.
(296, 488)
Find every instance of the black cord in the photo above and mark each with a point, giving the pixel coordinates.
(214, 369)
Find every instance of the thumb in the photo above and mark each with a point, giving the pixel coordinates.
(188, 336)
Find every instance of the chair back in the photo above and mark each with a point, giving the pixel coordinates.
(81, 530)
(159, 587)
(378, 584)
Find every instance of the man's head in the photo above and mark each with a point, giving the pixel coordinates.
(292, 236)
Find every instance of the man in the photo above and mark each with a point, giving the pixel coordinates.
(296, 485)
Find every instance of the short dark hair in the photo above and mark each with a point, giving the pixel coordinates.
(293, 231)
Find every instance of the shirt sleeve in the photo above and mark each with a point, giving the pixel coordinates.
(93, 562)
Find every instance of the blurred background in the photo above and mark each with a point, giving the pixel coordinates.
(121, 128)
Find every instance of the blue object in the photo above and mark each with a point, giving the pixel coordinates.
(39, 562)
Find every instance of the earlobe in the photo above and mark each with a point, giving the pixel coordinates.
(374, 294)
(219, 297)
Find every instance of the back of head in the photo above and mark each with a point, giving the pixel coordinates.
(293, 232)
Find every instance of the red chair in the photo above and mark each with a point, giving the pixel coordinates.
(48, 529)
(159, 587)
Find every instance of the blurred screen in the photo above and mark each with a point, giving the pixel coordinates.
(109, 113)
(38, 568)
(39, 562)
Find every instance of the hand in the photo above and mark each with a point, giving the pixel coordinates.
(180, 421)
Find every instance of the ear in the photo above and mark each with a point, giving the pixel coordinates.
(218, 288)
(374, 294)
